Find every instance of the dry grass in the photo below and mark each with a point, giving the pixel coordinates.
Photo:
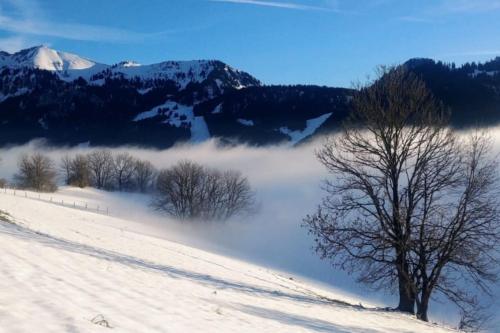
(4, 217)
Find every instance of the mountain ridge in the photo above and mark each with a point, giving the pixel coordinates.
(70, 67)
(68, 99)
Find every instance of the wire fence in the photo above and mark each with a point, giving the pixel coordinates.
(53, 199)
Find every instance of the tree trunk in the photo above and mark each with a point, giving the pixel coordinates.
(407, 297)
(423, 306)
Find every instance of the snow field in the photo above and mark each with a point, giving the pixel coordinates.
(62, 267)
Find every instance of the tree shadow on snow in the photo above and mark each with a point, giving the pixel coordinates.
(20, 232)
(304, 322)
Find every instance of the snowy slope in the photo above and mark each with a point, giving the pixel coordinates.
(66, 269)
(311, 126)
(69, 66)
(42, 57)
(179, 115)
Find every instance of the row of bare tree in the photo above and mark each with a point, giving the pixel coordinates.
(102, 170)
(186, 191)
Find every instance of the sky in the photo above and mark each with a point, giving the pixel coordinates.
(324, 42)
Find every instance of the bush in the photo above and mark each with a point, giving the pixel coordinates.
(189, 191)
(36, 172)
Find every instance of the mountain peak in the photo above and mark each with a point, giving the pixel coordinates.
(45, 58)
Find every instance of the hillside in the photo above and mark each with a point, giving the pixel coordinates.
(77, 269)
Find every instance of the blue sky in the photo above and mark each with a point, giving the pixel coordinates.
(326, 42)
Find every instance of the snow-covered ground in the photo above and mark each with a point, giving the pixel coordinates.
(67, 269)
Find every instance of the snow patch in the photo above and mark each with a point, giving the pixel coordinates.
(19, 92)
(245, 122)
(478, 72)
(129, 63)
(144, 91)
(43, 123)
(217, 109)
(311, 126)
(179, 115)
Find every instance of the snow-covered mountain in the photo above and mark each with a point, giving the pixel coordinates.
(182, 72)
(70, 67)
(42, 57)
(70, 99)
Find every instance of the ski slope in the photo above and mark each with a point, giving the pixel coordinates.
(72, 270)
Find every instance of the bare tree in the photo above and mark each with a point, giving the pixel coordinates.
(100, 163)
(143, 175)
(189, 191)
(123, 169)
(236, 195)
(176, 189)
(79, 171)
(410, 207)
(36, 172)
(65, 167)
